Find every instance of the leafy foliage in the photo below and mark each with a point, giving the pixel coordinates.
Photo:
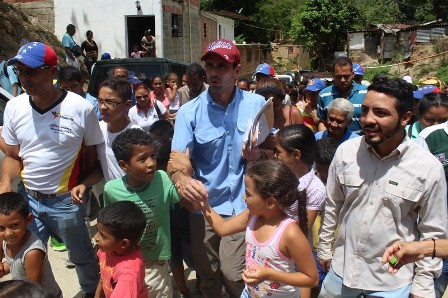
(322, 25)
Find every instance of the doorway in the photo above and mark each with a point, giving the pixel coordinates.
(135, 28)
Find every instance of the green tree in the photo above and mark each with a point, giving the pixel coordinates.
(321, 27)
(275, 17)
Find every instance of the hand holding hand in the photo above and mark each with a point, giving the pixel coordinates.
(191, 189)
(180, 162)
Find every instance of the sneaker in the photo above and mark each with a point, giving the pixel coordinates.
(57, 246)
(69, 264)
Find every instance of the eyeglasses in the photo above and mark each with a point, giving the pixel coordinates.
(142, 96)
(29, 71)
(108, 103)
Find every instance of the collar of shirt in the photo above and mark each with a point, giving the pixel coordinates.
(397, 152)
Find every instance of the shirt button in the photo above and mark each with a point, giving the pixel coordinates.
(228, 132)
(371, 203)
(365, 223)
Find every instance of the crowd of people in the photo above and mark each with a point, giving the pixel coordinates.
(344, 185)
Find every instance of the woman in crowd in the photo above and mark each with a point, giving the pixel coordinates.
(89, 50)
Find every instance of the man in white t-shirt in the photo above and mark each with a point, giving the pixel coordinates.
(48, 142)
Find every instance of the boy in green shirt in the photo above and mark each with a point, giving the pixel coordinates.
(153, 192)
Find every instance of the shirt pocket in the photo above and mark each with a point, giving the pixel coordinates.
(351, 185)
(400, 200)
(210, 143)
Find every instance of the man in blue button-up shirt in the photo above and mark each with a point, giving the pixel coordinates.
(344, 87)
(212, 127)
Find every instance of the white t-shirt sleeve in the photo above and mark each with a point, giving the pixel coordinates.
(93, 134)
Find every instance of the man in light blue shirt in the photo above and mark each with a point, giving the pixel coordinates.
(344, 87)
(69, 44)
(8, 78)
(212, 127)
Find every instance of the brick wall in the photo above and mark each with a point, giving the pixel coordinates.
(42, 10)
(186, 47)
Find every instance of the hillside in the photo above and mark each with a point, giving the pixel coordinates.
(422, 67)
(17, 29)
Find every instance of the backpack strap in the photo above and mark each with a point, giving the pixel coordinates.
(159, 114)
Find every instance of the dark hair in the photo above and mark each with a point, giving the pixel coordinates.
(269, 86)
(195, 69)
(119, 67)
(244, 80)
(342, 61)
(70, 27)
(155, 77)
(300, 137)
(169, 76)
(274, 179)
(141, 86)
(124, 220)
(69, 73)
(398, 88)
(123, 145)
(22, 289)
(432, 100)
(88, 32)
(162, 128)
(162, 150)
(13, 202)
(118, 85)
(326, 149)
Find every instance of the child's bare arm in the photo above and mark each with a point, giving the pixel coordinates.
(34, 264)
(225, 227)
(99, 293)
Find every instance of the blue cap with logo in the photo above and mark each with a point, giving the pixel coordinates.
(425, 90)
(315, 85)
(358, 70)
(265, 69)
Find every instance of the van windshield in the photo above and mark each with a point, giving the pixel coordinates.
(144, 72)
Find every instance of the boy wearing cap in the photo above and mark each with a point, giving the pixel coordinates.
(46, 138)
(358, 72)
(212, 127)
(264, 71)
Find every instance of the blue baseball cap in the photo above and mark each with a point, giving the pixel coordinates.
(358, 70)
(315, 85)
(265, 69)
(425, 90)
(35, 54)
(105, 56)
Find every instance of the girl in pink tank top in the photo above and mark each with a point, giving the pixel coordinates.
(275, 244)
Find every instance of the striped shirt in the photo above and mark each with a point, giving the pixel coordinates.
(356, 97)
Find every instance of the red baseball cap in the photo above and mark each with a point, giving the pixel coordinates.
(224, 48)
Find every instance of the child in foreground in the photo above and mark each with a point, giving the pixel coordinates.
(120, 226)
(275, 244)
(153, 192)
(25, 254)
